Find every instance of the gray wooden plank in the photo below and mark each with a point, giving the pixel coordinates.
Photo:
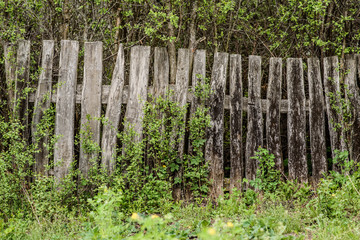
(91, 106)
(352, 95)
(138, 82)
(214, 148)
(273, 138)
(255, 120)
(21, 83)
(181, 92)
(296, 120)
(317, 119)
(236, 111)
(65, 108)
(42, 103)
(332, 87)
(113, 111)
(10, 69)
(161, 72)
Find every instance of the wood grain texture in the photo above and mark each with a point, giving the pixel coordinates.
(91, 106)
(42, 103)
(352, 95)
(296, 120)
(138, 82)
(317, 120)
(22, 81)
(236, 110)
(161, 72)
(214, 148)
(254, 117)
(113, 111)
(10, 72)
(273, 138)
(332, 87)
(65, 108)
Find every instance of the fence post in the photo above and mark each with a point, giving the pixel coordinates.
(112, 115)
(42, 103)
(91, 107)
(332, 90)
(255, 120)
(138, 82)
(273, 138)
(214, 149)
(161, 72)
(10, 72)
(236, 105)
(65, 108)
(296, 120)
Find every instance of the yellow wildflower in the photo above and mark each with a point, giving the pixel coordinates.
(154, 216)
(164, 166)
(212, 231)
(230, 224)
(333, 194)
(135, 216)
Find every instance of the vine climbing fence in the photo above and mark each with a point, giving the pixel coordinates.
(313, 104)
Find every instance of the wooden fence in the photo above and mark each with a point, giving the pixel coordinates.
(322, 80)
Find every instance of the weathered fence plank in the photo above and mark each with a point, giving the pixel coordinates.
(214, 150)
(352, 95)
(181, 92)
(65, 108)
(161, 72)
(91, 106)
(138, 82)
(236, 105)
(332, 88)
(10, 69)
(21, 83)
(296, 120)
(255, 119)
(113, 111)
(273, 138)
(316, 119)
(42, 103)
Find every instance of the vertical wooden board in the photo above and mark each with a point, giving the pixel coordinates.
(316, 119)
(214, 150)
(42, 103)
(161, 72)
(182, 86)
(255, 122)
(90, 106)
(198, 76)
(332, 87)
(236, 103)
(10, 69)
(65, 108)
(22, 82)
(113, 111)
(296, 120)
(273, 138)
(352, 95)
(138, 82)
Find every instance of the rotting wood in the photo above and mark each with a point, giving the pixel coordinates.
(21, 103)
(254, 113)
(138, 82)
(317, 120)
(352, 95)
(112, 115)
(65, 108)
(332, 89)
(91, 107)
(42, 103)
(273, 138)
(214, 150)
(182, 86)
(236, 110)
(296, 120)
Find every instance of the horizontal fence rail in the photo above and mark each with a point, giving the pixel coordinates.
(321, 79)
